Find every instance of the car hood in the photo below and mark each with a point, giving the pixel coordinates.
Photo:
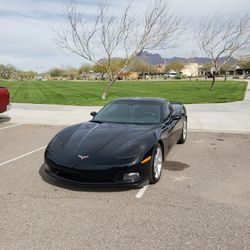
(105, 143)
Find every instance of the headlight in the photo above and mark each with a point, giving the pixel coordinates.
(131, 150)
(55, 144)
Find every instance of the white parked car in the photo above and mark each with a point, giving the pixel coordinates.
(171, 74)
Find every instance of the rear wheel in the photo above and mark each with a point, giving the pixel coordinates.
(156, 164)
(184, 132)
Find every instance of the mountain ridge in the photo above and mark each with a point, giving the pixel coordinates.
(155, 58)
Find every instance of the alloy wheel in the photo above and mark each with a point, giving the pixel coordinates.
(158, 163)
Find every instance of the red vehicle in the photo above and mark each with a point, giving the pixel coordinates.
(4, 99)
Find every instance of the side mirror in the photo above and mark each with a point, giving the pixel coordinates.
(176, 117)
(93, 113)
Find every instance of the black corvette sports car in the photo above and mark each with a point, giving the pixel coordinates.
(125, 143)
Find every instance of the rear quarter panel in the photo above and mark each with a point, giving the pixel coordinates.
(4, 99)
(179, 109)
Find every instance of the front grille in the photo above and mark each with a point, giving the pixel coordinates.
(82, 175)
(87, 176)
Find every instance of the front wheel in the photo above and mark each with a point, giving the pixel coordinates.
(156, 164)
(184, 132)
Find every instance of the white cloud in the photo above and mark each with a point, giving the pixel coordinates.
(27, 40)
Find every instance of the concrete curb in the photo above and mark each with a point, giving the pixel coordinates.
(223, 117)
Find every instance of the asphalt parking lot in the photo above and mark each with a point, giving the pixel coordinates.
(201, 202)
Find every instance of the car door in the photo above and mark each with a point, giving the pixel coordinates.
(176, 123)
(168, 127)
(179, 116)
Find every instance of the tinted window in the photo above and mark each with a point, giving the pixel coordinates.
(130, 112)
(166, 110)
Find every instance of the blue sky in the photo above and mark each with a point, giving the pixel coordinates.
(28, 43)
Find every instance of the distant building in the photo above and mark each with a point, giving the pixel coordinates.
(159, 68)
(130, 75)
(191, 69)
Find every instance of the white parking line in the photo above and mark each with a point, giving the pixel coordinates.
(11, 126)
(141, 192)
(21, 156)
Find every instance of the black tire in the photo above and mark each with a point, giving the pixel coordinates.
(155, 173)
(183, 137)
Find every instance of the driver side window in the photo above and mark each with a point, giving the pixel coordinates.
(167, 110)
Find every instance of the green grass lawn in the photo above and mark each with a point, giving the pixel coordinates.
(89, 93)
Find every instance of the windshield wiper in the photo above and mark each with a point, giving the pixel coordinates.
(96, 121)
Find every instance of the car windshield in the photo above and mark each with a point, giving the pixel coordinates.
(130, 112)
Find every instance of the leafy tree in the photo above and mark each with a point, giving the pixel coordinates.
(71, 73)
(206, 67)
(115, 66)
(152, 69)
(85, 68)
(137, 65)
(98, 69)
(56, 72)
(27, 74)
(8, 71)
(245, 64)
(225, 68)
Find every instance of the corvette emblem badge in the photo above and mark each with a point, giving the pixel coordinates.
(83, 157)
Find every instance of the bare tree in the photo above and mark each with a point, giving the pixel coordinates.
(126, 32)
(220, 38)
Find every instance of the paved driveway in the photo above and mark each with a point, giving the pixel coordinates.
(201, 202)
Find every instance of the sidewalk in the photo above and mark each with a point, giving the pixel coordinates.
(225, 117)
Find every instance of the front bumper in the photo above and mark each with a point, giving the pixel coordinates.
(4, 108)
(8, 107)
(108, 177)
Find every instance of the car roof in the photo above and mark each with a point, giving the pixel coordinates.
(141, 99)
